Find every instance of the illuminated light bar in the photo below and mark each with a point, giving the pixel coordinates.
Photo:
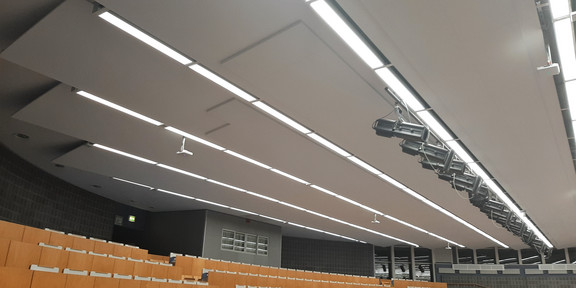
(447, 240)
(392, 181)
(226, 185)
(222, 82)
(182, 171)
(132, 182)
(272, 218)
(565, 44)
(176, 194)
(289, 176)
(359, 205)
(118, 107)
(292, 206)
(247, 159)
(281, 117)
(346, 33)
(559, 8)
(194, 138)
(262, 196)
(323, 190)
(142, 36)
(399, 89)
(243, 211)
(212, 203)
(405, 223)
(364, 165)
(571, 95)
(124, 154)
(462, 154)
(435, 125)
(322, 141)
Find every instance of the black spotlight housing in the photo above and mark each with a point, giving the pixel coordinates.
(394, 128)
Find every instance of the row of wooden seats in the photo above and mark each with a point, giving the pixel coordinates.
(233, 280)
(196, 266)
(33, 235)
(14, 277)
(22, 255)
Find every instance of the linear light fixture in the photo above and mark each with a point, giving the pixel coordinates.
(399, 89)
(324, 142)
(226, 185)
(247, 159)
(194, 138)
(144, 37)
(176, 194)
(222, 82)
(364, 165)
(118, 107)
(290, 176)
(181, 171)
(124, 154)
(329, 15)
(283, 118)
(559, 8)
(459, 150)
(435, 125)
(565, 44)
(132, 182)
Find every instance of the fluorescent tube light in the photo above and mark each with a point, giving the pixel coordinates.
(538, 232)
(124, 154)
(392, 181)
(329, 144)
(292, 206)
(132, 182)
(142, 36)
(406, 223)
(364, 165)
(262, 196)
(559, 8)
(323, 190)
(212, 203)
(435, 125)
(565, 44)
(462, 154)
(478, 170)
(243, 211)
(358, 204)
(176, 194)
(238, 155)
(194, 138)
(290, 176)
(181, 171)
(226, 185)
(272, 218)
(118, 107)
(571, 95)
(283, 118)
(446, 240)
(343, 30)
(399, 89)
(222, 82)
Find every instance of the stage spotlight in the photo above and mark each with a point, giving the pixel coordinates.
(396, 128)
(402, 268)
(434, 157)
(463, 181)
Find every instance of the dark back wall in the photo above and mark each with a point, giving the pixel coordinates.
(178, 231)
(32, 197)
(328, 256)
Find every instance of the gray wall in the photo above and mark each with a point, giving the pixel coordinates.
(32, 197)
(215, 222)
(328, 256)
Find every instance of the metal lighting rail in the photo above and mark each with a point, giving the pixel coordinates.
(172, 53)
(234, 208)
(339, 23)
(235, 188)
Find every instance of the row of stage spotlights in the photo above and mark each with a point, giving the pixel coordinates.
(446, 164)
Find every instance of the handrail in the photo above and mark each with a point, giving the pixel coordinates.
(467, 284)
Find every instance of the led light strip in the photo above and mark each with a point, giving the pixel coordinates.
(236, 209)
(196, 176)
(334, 20)
(357, 45)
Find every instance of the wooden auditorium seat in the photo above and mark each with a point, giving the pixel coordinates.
(12, 231)
(78, 281)
(35, 236)
(60, 239)
(42, 279)
(4, 246)
(15, 277)
(22, 254)
(52, 256)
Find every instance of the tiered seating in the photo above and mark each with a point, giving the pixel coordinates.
(34, 258)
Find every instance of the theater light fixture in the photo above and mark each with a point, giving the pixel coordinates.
(397, 128)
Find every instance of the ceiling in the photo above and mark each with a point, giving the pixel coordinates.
(473, 62)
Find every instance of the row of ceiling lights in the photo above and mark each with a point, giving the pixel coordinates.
(233, 208)
(384, 72)
(422, 110)
(239, 189)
